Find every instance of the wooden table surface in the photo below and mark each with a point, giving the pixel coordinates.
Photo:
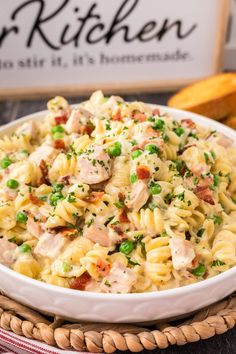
(224, 344)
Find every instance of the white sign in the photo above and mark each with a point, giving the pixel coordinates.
(70, 46)
(230, 53)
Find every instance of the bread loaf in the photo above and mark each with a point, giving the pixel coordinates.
(230, 121)
(214, 97)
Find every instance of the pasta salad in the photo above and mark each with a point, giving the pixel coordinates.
(116, 197)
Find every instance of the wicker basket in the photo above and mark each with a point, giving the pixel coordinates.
(108, 338)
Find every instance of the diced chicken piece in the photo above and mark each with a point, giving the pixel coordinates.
(73, 124)
(78, 119)
(94, 167)
(50, 245)
(182, 252)
(44, 152)
(28, 129)
(98, 233)
(7, 252)
(34, 227)
(119, 280)
(195, 160)
(139, 196)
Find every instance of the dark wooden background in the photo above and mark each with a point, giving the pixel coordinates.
(224, 344)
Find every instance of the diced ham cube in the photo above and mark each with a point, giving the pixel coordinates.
(139, 196)
(119, 280)
(182, 252)
(43, 152)
(94, 167)
(7, 252)
(50, 245)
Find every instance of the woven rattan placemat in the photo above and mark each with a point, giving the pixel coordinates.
(92, 337)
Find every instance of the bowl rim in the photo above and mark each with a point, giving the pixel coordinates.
(200, 285)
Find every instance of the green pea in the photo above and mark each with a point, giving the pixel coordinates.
(136, 154)
(12, 184)
(57, 136)
(199, 271)
(5, 162)
(21, 217)
(152, 149)
(179, 131)
(155, 188)
(159, 124)
(57, 129)
(24, 248)
(133, 178)
(126, 247)
(115, 150)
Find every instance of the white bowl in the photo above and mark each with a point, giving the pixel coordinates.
(118, 308)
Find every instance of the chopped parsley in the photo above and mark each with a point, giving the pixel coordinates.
(217, 263)
(217, 219)
(200, 232)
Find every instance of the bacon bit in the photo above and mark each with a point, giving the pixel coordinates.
(134, 148)
(143, 172)
(60, 119)
(156, 112)
(117, 116)
(121, 196)
(65, 230)
(123, 218)
(195, 262)
(204, 193)
(69, 232)
(139, 117)
(35, 200)
(59, 144)
(65, 180)
(94, 197)
(118, 230)
(44, 170)
(102, 267)
(80, 283)
(188, 123)
(86, 129)
(181, 151)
